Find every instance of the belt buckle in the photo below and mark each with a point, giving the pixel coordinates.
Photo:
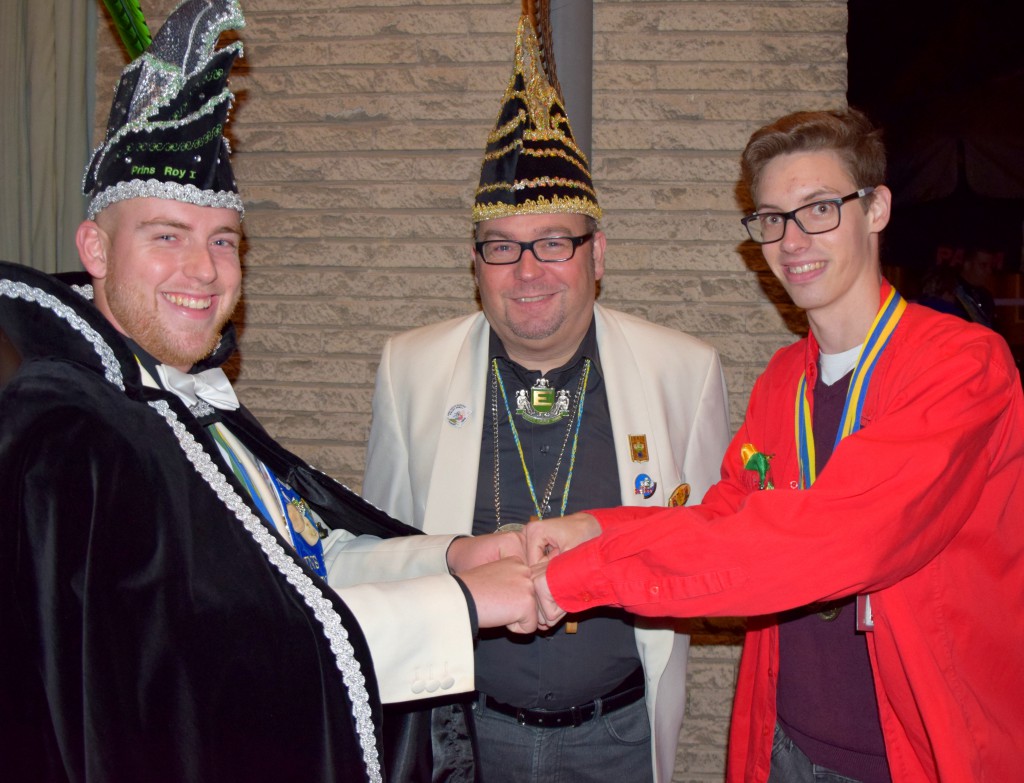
(521, 717)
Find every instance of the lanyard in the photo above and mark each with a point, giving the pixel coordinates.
(581, 394)
(884, 325)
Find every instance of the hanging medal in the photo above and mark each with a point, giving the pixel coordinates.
(306, 533)
(542, 404)
(541, 507)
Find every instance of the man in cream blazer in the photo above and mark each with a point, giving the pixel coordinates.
(596, 408)
(423, 457)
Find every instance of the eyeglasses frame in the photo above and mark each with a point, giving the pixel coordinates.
(524, 246)
(791, 215)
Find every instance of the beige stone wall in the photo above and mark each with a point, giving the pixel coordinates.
(358, 133)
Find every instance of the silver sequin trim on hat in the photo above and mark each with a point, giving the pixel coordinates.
(161, 82)
(111, 368)
(154, 188)
(311, 592)
(187, 42)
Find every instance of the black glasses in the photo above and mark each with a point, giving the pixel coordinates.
(818, 217)
(550, 250)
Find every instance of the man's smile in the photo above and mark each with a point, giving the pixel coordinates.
(191, 302)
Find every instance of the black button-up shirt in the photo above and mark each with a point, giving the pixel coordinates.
(555, 669)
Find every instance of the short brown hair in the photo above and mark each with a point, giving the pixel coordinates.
(848, 133)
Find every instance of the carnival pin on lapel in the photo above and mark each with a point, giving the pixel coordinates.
(644, 485)
(458, 414)
(679, 496)
(638, 448)
(758, 462)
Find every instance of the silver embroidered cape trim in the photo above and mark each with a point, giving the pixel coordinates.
(84, 291)
(201, 408)
(111, 367)
(311, 592)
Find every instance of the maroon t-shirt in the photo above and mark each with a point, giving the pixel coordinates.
(826, 695)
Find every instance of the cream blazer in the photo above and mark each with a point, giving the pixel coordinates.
(424, 450)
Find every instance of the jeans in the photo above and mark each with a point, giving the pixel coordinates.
(615, 747)
(790, 765)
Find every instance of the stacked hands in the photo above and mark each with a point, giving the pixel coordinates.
(506, 573)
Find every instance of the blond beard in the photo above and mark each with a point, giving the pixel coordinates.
(145, 329)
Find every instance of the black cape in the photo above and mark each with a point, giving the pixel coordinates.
(154, 627)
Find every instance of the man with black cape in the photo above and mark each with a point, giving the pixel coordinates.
(181, 598)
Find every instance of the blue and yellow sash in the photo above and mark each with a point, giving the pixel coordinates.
(277, 502)
(881, 330)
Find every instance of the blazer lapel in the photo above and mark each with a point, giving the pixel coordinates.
(630, 413)
(453, 479)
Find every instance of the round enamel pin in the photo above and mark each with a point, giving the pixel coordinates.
(644, 485)
(458, 414)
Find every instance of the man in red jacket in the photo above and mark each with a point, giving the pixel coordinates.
(869, 516)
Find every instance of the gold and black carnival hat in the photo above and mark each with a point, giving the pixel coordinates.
(532, 164)
(165, 135)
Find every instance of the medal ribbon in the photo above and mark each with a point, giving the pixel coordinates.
(265, 488)
(884, 325)
(242, 472)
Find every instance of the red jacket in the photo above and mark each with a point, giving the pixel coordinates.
(923, 508)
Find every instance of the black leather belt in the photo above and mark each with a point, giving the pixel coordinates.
(627, 694)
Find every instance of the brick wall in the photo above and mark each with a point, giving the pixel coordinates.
(358, 133)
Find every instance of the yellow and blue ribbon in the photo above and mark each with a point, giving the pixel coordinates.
(882, 329)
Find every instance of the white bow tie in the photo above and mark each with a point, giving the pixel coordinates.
(210, 386)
